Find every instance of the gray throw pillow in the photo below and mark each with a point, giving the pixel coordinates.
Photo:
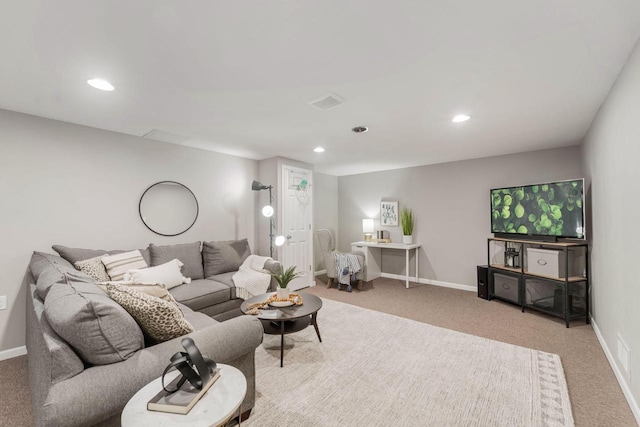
(74, 255)
(98, 328)
(41, 261)
(188, 253)
(49, 269)
(223, 257)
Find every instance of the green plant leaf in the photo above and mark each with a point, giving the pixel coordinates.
(532, 218)
(519, 211)
(545, 187)
(523, 230)
(507, 200)
(533, 188)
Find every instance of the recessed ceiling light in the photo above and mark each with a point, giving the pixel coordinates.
(460, 118)
(319, 150)
(100, 84)
(360, 129)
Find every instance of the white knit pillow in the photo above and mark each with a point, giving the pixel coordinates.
(168, 273)
(119, 264)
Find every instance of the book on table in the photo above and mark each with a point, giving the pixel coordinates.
(181, 401)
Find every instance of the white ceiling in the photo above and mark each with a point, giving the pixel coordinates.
(236, 77)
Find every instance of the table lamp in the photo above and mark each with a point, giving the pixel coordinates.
(367, 229)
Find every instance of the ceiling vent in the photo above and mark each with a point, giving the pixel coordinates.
(330, 100)
(160, 135)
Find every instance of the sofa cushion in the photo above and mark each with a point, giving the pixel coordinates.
(41, 261)
(168, 274)
(98, 328)
(223, 257)
(226, 279)
(74, 255)
(161, 320)
(94, 268)
(198, 320)
(188, 253)
(118, 264)
(48, 269)
(201, 293)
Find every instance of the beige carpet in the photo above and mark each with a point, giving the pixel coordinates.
(375, 369)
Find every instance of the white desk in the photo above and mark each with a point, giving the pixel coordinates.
(373, 257)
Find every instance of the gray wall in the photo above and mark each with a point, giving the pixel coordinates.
(450, 202)
(79, 186)
(611, 153)
(325, 210)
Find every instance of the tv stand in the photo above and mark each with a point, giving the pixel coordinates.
(565, 294)
(511, 237)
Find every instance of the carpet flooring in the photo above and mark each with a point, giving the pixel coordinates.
(375, 369)
(596, 397)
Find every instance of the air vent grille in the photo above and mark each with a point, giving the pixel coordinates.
(329, 100)
(160, 135)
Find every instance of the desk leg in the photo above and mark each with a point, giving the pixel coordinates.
(417, 258)
(406, 263)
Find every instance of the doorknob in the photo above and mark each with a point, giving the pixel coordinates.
(288, 237)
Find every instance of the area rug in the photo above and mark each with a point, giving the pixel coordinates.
(375, 369)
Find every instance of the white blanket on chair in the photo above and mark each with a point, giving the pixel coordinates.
(252, 279)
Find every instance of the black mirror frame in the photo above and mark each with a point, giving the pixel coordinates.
(168, 182)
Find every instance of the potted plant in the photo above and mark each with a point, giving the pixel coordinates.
(283, 278)
(407, 226)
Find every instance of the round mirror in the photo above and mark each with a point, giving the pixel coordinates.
(168, 208)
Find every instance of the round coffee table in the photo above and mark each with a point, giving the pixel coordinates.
(287, 320)
(218, 405)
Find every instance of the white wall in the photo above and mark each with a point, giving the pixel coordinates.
(325, 210)
(450, 202)
(611, 156)
(78, 186)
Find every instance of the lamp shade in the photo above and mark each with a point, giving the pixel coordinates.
(367, 225)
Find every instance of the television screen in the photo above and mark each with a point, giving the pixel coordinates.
(552, 209)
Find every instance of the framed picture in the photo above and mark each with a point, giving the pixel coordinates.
(388, 214)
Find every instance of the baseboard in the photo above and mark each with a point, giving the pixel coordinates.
(431, 282)
(618, 373)
(13, 352)
(320, 272)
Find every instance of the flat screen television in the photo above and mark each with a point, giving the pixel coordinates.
(550, 209)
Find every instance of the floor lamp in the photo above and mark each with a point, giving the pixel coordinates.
(268, 211)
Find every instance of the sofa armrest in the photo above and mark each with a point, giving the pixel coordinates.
(273, 266)
(100, 392)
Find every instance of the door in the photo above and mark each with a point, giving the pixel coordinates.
(297, 227)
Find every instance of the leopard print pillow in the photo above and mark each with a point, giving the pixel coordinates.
(94, 268)
(159, 319)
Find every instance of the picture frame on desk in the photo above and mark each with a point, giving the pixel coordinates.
(389, 213)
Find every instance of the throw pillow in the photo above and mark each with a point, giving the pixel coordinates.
(74, 255)
(168, 274)
(157, 290)
(161, 320)
(93, 267)
(98, 328)
(188, 253)
(223, 257)
(117, 265)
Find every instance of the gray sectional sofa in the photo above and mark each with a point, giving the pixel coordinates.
(67, 390)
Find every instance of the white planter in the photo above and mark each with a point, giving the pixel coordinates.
(282, 293)
(407, 240)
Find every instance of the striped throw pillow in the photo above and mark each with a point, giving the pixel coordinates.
(119, 264)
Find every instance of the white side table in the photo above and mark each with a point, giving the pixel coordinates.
(373, 257)
(215, 408)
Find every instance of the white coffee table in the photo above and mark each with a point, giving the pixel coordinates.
(215, 408)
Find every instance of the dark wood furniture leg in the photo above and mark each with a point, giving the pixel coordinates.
(282, 344)
(245, 415)
(314, 321)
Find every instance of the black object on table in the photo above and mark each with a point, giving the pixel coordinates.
(287, 320)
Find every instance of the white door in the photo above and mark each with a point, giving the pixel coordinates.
(296, 220)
